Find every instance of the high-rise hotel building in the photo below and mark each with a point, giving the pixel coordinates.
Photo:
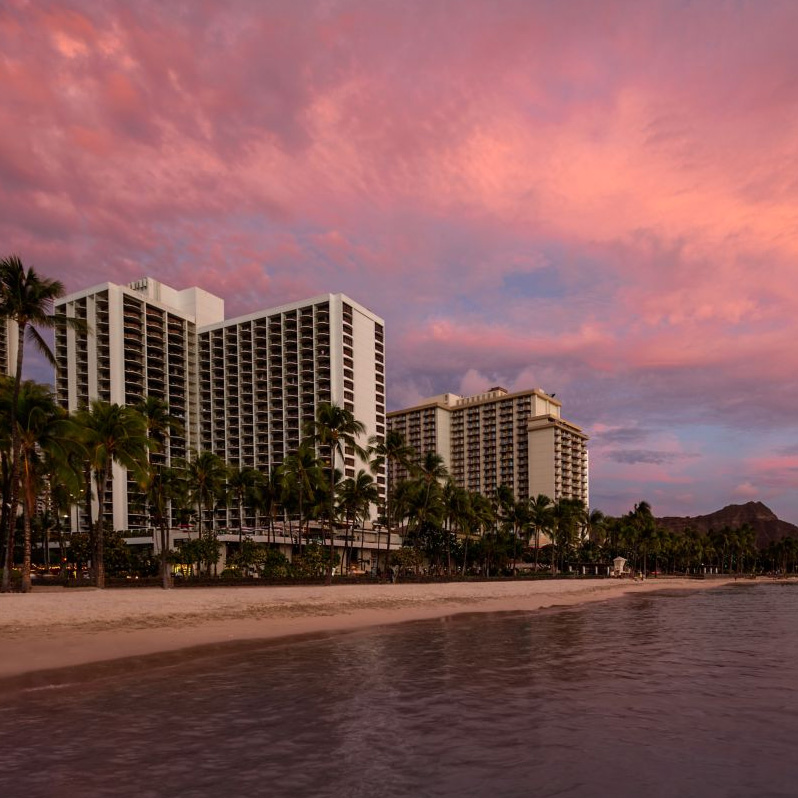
(8, 347)
(141, 340)
(263, 376)
(242, 388)
(500, 438)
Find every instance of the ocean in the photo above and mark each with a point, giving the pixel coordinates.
(657, 694)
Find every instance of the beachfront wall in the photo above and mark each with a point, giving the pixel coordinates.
(361, 548)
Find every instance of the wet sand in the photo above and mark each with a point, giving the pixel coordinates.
(53, 629)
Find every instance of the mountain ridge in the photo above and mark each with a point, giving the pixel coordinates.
(767, 525)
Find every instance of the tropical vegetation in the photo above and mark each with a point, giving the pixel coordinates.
(311, 516)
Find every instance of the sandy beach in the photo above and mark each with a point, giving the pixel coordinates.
(53, 629)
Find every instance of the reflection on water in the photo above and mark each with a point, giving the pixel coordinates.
(656, 695)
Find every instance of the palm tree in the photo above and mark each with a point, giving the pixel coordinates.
(639, 528)
(430, 472)
(6, 392)
(693, 547)
(336, 431)
(45, 434)
(392, 453)
(159, 421)
(355, 496)
(26, 299)
(240, 484)
(747, 537)
(519, 521)
(482, 514)
(160, 425)
(302, 477)
(206, 474)
(266, 496)
(540, 518)
(456, 506)
(458, 515)
(644, 527)
(47, 523)
(788, 549)
(111, 433)
(568, 515)
(594, 526)
(503, 501)
(67, 484)
(162, 486)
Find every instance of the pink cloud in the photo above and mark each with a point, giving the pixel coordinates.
(595, 198)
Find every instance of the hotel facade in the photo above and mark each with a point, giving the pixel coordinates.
(499, 438)
(8, 347)
(242, 388)
(263, 376)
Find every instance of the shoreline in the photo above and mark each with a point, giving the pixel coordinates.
(46, 637)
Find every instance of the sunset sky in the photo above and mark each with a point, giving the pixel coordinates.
(597, 198)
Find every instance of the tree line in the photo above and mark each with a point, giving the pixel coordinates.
(52, 461)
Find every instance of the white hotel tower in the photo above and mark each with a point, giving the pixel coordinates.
(262, 377)
(242, 387)
(8, 347)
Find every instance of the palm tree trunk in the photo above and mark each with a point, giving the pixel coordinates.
(301, 499)
(166, 578)
(91, 528)
(28, 510)
(388, 546)
(387, 519)
(6, 500)
(26, 559)
(352, 544)
(363, 537)
(8, 560)
(61, 548)
(332, 513)
(287, 519)
(449, 554)
(99, 565)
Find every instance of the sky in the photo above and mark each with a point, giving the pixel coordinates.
(596, 198)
